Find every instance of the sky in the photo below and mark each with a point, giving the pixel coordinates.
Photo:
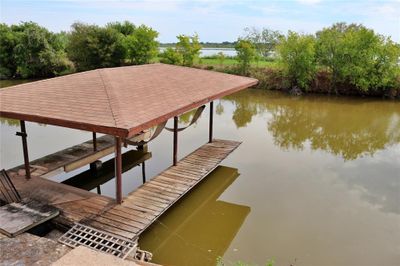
(213, 20)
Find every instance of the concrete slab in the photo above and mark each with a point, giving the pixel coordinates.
(88, 257)
(28, 249)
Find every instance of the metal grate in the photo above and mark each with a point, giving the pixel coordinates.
(83, 235)
(8, 192)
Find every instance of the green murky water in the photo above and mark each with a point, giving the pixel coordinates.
(315, 182)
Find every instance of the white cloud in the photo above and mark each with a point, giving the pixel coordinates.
(309, 2)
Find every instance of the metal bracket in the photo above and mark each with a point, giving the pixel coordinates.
(21, 134)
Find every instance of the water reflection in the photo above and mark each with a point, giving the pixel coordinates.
(9, 122)
(97, 176)
(199, 228)
(321, 175)
(346, 127)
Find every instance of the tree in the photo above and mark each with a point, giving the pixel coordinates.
(38, 52)
(264, 40)
(245, 54)
(141, 45)
(171, 56)
(221, 58)
(8, 41)
(92, 47)
(125, 28)
(186, 50)
(297, 52)
(355, 54)
(189, 47)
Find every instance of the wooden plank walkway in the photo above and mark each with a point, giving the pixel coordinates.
(144, 205)
(140, 208)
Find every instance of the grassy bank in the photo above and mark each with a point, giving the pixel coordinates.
(209, 61)
(272, 76)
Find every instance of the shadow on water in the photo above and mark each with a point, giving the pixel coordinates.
(103, 172)
(199, 228)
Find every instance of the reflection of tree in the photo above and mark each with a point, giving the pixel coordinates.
(219, 110)
(9, 122)
(347, 127)
(245, 109)
(187, 117)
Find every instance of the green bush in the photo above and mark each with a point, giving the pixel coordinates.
(355, 54)
(36, 52)
(125, 28)
(246, 53)
(186, 50)
(92, 47)
(221, 58)
(297, 53)
(171, 56)
(264, 40)
(270, 78)
(141, 45)
(8, 40)
(189, 47)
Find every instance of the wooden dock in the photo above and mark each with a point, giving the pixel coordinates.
(141, 207)
(71, 158)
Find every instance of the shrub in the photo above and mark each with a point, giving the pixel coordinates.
(355, 54)
(270, 78)
(297, 54)
(264, 40)
(125, 28)
(189, 48)
(171, 56)
(8, 41)
(221, 58)
(141, 45)
(186, 50)
(245, 54)
(92, 47)
(38, 52)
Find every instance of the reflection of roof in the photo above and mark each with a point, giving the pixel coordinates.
(118, 101)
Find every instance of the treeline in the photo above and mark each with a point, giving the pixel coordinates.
(343, 58)
(225, 44)
(28, 50)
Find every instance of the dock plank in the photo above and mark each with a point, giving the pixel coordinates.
(162, 191)
(140, 208)
(18, 217)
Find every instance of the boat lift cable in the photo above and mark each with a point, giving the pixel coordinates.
(196, 117)
(162, 126)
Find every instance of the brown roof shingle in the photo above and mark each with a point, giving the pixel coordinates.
(118, 101)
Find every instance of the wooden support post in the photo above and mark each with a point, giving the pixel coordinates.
(141, 148)
(94, 141)
(175, 152)
(210, 129)
(93, 164)
(144, 172)
(118, 170)
(23, 136)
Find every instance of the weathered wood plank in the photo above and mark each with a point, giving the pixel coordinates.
(141, 207)
(18, 217)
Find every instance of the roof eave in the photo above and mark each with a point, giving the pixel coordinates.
(114, 131)
(135, 130)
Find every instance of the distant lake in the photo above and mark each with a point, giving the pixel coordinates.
(213, 51)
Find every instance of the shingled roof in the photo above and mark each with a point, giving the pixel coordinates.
(117, 101)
